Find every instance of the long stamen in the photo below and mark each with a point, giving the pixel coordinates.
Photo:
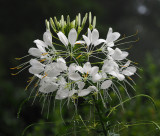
(127, 37)
(127, 42)
(30, 83)
(13, 74)
(20, 66)
(79, 56)
(22, 57)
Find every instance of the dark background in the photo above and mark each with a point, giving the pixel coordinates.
(22, 21)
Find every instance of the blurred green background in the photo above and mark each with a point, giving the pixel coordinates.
(22, 21)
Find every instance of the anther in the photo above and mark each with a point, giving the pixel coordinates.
(78, 57)
(44, 54)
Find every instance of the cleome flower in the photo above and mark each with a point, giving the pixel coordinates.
(40, 51)
(92, 38)
(111, 37)
(71, 76)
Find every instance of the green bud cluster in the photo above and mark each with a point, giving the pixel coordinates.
(66, 25)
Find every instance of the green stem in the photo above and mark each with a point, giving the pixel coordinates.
(100, 116)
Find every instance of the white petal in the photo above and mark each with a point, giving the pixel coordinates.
(97, 77)
(92, 88)
(87, 67)
(47, 88)
(129, 71)
(72, 36)
(94, 70)
(61, 66)
(119, 55)
(84, 92)
(36, 70)
(95, 35)
(89, 35)
(99, 41)
(72, 68)
(110, 31)
(61, 60)
(80, 85)
(104, 75)
(62, 38)
(120, 77)
(109, 65)
(62, 94)
(86, 39)
(80, 69)
(51, 70)
(124, 55)
(106, 84)
(48, 80)
(110, 44)
(62, 81)
(116, 74)
(113, 37)
(74, 76)
(35, 52)
(40, 45)
(36, 63)
(110, 51)
(47, 38)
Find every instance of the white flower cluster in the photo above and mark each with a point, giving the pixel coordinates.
(82, 67)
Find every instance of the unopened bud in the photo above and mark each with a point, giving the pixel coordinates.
(94, 22)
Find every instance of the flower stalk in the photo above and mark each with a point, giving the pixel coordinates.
(100, 116)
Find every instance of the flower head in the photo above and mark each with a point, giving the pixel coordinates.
(74, 68)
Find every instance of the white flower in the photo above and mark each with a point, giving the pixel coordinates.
(72, 74)
(93, 38)
(51, 70)
(109, 65)
(54, 69)
(88, 69)
(48, 85)
(41, 45)
(117, 54)
(112, 68)
(62, 93)
(64, 90)
(111, 37)
(116, 73)
(72, 37)
(36, 67)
